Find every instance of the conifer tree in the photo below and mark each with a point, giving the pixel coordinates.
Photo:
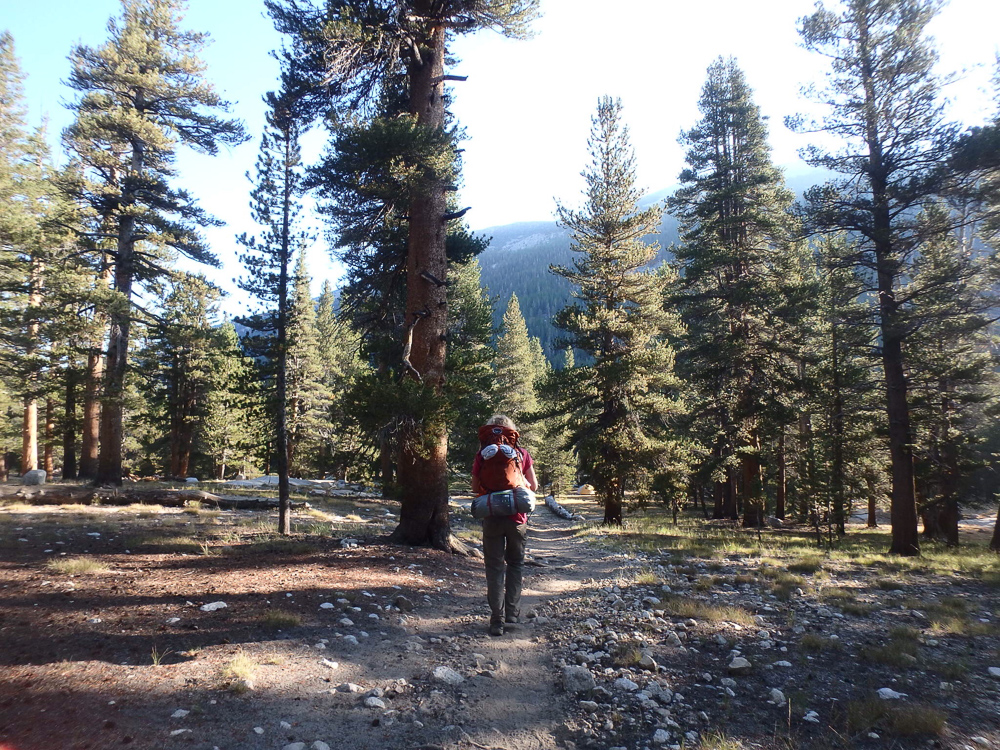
(358, 52)
(517, 368)
(307, 397)
(952, 302)
(142, 94)
(884, 107)
(178, 363)
(275, 205)
(618, 406)
(735, 294)
(339, 351)
(232, 423)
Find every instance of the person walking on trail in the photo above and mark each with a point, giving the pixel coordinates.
(504, 537)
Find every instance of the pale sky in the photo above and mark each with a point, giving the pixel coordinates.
(527, 104)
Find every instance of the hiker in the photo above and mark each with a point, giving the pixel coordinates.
(503, 536)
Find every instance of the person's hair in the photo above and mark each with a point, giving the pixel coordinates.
(502, 420)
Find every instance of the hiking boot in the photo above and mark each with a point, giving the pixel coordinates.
(512, 619)
(496, 628)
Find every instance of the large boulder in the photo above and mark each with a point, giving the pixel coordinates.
(34, 477)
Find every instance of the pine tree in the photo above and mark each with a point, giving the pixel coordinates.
(953, 381)
(142, 94)
(234, 420)
(618, 406)
(361, 52)
(517, 366)
(307, 397)
(178, 366)
(342, 366)
(275, 205)
(735, 294)
(885, 107)
(470, 392)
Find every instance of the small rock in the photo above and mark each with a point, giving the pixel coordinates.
(326, 605)
(590, 706)
(777, 697)
(285, 725)
(578, 679)
(94, 620)
(727, 682)
(374, 702)
(661, 737)
(330, 664)
(648, 662)
(320, 745)
(173, 620)
(995, 672)
(888, 694)
(349, 687)
(178, 731)
(295, 746)
(448, 676)
(812, 717)
(783, 664)
(180, 713)
(981, 742)
(623, 683)
(213, 606)
(403, 603)
(350, 640)
(258, 730)
(345, 622)
(740, 666)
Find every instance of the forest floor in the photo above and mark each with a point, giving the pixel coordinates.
(631, 638)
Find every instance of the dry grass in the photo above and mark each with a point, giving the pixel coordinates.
(276, 619)
(238, 673)
(77, 566)
(681, 607)
(817, 643)
(897, 720)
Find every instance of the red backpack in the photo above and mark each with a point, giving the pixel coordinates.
(500, 469)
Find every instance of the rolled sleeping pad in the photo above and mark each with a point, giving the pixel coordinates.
(504, 503)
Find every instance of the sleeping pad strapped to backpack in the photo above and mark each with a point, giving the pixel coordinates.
(501, 475)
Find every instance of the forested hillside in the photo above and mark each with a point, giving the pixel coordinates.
(518, 257)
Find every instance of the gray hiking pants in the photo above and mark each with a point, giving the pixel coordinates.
(503, 551)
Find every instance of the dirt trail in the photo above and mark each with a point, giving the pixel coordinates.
(518, 706)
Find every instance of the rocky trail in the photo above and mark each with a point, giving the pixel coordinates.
(387, 647)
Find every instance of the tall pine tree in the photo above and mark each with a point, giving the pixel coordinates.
(142, 94)
(358, 52)
(618, 405)
(737, 298)
(884, 105)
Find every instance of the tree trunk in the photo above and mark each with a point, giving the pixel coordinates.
(109, 469)
(719, 495)
(753, 486)
(872, 503)
(109, 463)
(281, 379)
(424, 516)
(614, 501)
(781, 491)
(90, 442)
(91, 415)
(730, 508)
(995, 541)
(48, 461)
(69, 469)
(839, 501)
(29, 435)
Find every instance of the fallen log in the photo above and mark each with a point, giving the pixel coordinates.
(76, 495)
